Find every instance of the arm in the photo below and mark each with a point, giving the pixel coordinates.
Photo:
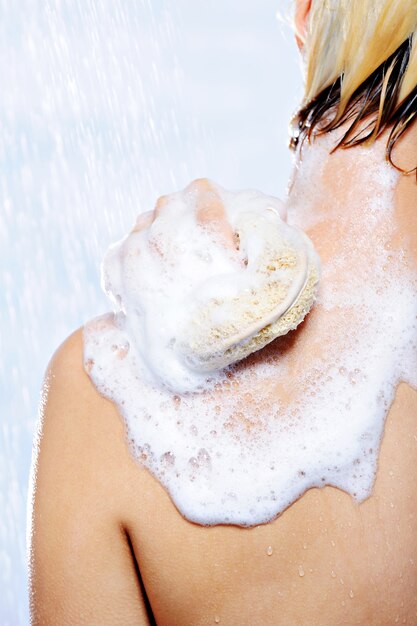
(82, 567)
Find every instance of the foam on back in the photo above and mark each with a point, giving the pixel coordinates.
(240, 444)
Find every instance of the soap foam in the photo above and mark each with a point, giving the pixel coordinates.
(241, 444)
(191, 304)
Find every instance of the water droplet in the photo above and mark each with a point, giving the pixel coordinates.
(351, 594)
(269, 550)
(333, 574)
(89, 364)
(144, 452)
(168, 459)
(216, 619)
(204, 458)
(352, 378)
(343, 603)
(301, 570)
(121, 350)
(176, 400)
(305, 546)
(193, 462)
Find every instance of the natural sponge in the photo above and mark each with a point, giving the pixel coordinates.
(282, 276)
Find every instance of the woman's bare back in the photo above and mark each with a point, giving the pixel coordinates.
(108, 535)
(326, 560)
(110, 547)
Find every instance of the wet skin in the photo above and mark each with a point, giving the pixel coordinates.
(109, 547)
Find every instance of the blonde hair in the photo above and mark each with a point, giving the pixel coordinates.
(361, 65)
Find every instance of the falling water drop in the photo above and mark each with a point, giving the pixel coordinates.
(269, 550)
(301, 570)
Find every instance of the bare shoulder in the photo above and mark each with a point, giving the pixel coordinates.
(82, 567)
(75, 420)
(67, 387)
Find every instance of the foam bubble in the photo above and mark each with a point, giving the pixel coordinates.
(239, 445)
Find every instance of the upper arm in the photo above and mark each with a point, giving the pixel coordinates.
(82, 567)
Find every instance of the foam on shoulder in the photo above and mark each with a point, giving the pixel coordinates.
(240, 444)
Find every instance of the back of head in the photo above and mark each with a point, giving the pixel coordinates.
(361, 69)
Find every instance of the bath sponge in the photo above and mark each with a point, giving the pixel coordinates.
(283, 272)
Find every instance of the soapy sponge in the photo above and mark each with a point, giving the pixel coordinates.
(283, 276)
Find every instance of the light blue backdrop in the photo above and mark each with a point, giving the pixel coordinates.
(106, 104)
